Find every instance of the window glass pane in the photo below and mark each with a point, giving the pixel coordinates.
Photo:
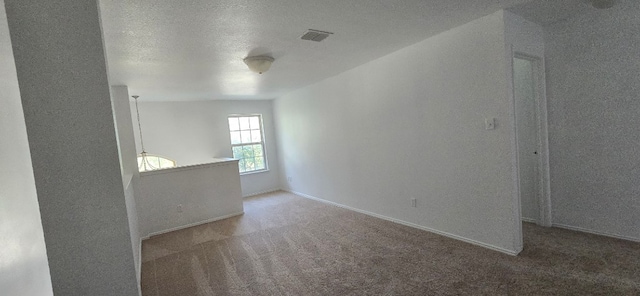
(235, 138)
(246, 136)
(233, 124)
(154, 162)
(256, 136)
(237, 152)
(254, 122)
(165, 163)
(141, 167)
(244, 123)
(250, 164)
(241, 165)
(247, 151)
(245, 132)
(260, 163)
(257, 150)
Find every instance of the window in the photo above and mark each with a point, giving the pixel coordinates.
(247, 142)
(150, 162)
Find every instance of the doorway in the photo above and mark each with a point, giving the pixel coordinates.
(530, 119)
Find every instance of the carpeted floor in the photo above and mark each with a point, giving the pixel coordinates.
(289, 245)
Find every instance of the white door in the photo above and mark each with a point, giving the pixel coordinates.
(525, 92)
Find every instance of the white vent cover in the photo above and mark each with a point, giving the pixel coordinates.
(315, 35)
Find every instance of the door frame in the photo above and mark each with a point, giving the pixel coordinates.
(543, 184)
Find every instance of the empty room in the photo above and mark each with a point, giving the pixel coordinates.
(366, 147)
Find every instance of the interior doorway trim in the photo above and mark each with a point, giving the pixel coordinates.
(544, 187)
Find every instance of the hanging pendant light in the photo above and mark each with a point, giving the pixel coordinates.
(146, 161)
(143, 158)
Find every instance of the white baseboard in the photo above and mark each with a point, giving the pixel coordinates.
(453, 236)
(530, 220)
(139, 263)
(575, 228)
(190, 225)
(262, 192)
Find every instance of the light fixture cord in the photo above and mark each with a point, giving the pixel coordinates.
(139, 126)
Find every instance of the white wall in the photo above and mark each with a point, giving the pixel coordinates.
(196, 132)
(24, 270)
(203, 193)
(411, 125)
(593, 82)
(128, 164)
(527, 38)
(62, 76)
(124, 131)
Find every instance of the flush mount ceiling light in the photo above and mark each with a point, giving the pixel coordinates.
(602, 4)
(259, 64)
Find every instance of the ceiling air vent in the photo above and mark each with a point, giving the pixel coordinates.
(315, 35)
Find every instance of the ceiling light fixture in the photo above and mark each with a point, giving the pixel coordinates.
(602, 4)
(259, 64)
(144, 159)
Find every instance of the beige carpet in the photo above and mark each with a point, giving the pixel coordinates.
(288, 245)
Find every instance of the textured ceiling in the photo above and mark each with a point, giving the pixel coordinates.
(193, 50)
(167, 50)
(550, 11)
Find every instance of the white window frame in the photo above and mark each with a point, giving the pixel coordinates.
(262, 142)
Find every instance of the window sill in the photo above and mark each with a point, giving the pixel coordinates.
(254, 172)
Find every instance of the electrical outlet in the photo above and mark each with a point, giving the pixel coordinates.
(489, 123)
(289, 179)
(414, 203)
(179, 208)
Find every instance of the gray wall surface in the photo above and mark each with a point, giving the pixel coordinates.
(62, 76)
(593, 78)
(24, 269)
(195, 132)
(412, 125)
(128, 164)
(527, 38)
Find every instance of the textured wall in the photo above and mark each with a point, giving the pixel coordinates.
(125, 132)
(65, 95)
(24, 270)
(204, 193)
(527, 38)
(593, 86)
(196, 132)
(411, 125)
(128, 164)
